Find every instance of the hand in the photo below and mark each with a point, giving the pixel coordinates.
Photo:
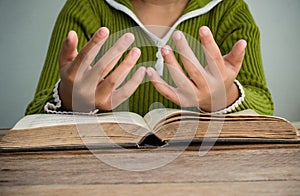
(211, 88)
(83, 87)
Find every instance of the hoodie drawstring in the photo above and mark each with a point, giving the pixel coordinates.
(159, 65)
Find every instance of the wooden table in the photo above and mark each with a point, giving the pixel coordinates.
(224, 170)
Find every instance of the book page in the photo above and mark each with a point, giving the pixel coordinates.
(182, 124)
(155, 116)
(48, 120)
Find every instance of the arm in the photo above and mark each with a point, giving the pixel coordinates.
(71, 17)
(213, 88)
(241, 25)
(83, 87)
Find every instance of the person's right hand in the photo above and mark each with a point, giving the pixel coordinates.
(83, 87)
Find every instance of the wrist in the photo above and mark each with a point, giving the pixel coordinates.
(235, 97)
(66, 102)
(56, 107)
(233, 94)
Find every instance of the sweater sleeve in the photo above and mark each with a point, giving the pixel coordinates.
(238, 23)
(75, 15)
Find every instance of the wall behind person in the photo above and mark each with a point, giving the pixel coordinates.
(279, 23)
(25, 30)
(26, 27)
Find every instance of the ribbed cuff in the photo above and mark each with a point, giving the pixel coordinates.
(53, 108)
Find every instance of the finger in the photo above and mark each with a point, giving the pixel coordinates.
(90, 50)
(178, 76)
(118, 75)
(236, 56)
(190, 62)
(161, 86)
(68, 51)
(123, 93)
(212, 52)
(112, 56)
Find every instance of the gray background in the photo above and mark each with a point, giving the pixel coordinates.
(26, 27)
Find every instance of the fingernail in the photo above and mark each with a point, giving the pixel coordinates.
(177, 35)
(103, 32)
(67, 40)
(136, 52)
(70, 34)
(142, 71)
(149, 72)
(166, 50)
(244, 43)
(204, 31)
(129, 37)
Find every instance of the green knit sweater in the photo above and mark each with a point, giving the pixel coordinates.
(229, 21)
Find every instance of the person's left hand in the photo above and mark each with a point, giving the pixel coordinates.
(211, 88)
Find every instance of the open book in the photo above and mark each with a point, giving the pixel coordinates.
(159, 127)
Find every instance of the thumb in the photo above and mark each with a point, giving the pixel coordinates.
(236, 56)
(68, 51)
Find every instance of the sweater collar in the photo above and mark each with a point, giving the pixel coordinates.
(194, 8)
(191, 6)
(195, 4)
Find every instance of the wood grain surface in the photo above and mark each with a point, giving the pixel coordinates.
(224, 170)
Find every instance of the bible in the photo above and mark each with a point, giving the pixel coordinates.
(158, 127)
